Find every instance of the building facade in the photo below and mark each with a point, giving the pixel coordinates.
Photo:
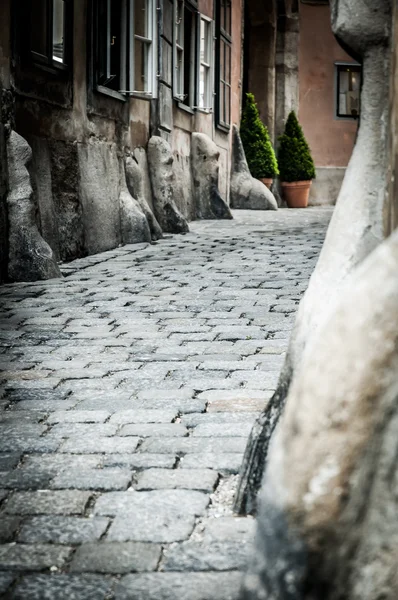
(87, 83)
(91, 81)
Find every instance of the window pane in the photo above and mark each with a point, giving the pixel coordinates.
(115, 42)
(349, 83)
(204, 82)
(222, 104)
(227, 104)
(179, 71)
(180, 23)
(227, 16)
(58, 30)
(228, 63)
(141, 18)
(204, 41)
(222, 59)
(141, 57)
(39, 26)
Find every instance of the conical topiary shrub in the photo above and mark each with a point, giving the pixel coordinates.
(294, 156)
(259, 152)
(297, 168)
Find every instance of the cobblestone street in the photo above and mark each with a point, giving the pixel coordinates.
(128, 392)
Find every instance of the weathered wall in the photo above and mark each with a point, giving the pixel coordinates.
(331, 140)
(260, 45)
(5, 99)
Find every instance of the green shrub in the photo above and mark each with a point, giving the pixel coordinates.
(294, 156)
(260, 154)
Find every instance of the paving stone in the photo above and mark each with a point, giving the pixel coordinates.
(94, 430)
(223, 430)
(223, 462)
(99, 445)
(6, 579)
(195, 479)
(140, 461)
(154, 430)
(93, 479)
(66, 502)
(32, 557)
(9, 460)
(180, 586)
(78, 416)
(120, 503)
(187, 445)
(215, 556)
(8, 528)
(115, 557)
(63, 587)
(192, 420)
(228, 529)
(143, 416)
(21, 479)
(62, 530)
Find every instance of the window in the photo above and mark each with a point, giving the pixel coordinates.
(348, 77)
(48, 26)
(185, 53)
(223, 75)
(206, 65)
(125, 46)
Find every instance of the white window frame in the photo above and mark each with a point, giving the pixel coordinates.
(179, 56)
(209, 67)
(128, 37)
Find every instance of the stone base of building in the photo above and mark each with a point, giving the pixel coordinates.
(326, 187)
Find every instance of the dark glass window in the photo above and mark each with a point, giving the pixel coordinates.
(348, 92)
(185, 52)
(125, 55)
(49, 31)
(223, 72)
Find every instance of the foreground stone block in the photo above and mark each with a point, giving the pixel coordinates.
(328, 520)
(246, 191)
(357, 225)
(116, 557)
(160, 159)
(205, 168)
(30, 257)
(135, 185)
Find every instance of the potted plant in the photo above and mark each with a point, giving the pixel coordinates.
(296, 166)
(259, 152)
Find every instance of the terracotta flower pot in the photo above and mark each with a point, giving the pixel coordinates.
(296, 193)
(266, 181)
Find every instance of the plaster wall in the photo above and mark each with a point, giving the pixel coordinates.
(331, 140)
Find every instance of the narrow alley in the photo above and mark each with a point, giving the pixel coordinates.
(129, 388)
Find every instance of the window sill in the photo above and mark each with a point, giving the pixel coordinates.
(224, 128)
(141, 96)
(43, 64)
(112, 93)
(187, 109)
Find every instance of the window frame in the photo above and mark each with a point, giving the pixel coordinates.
(338, 67)
(127, 51)
(179, 81)
(47, 61)
(209, 101)
(223, 37)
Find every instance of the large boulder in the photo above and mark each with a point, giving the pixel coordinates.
(246, 191)
(29, 257)
(205, 169)
(135, 185)
(133, 222)
(160, 159)
(356, 228)
(328, 515)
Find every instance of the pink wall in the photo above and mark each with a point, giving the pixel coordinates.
(236, 74)
(331, 140)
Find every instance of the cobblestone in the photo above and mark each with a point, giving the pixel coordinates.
(127, 393)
